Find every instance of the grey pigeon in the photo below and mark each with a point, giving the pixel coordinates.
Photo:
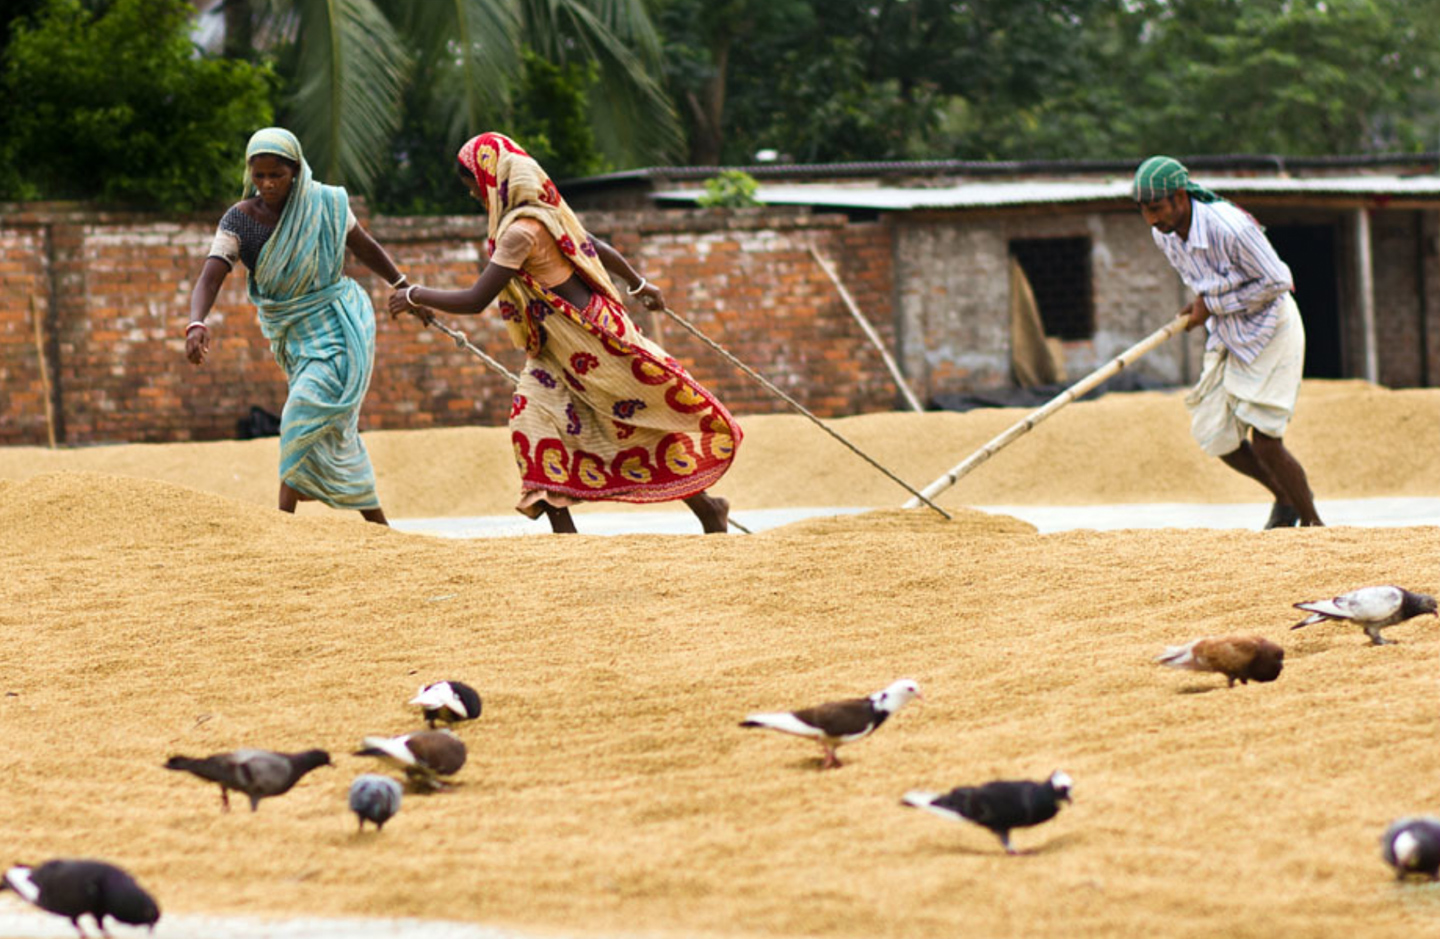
(1371, 608)
(999, 806)
(839, 722)
(448, 701)
(257, 773)
(425, 755)
(374, 798)
(74, 888)
(1248, 658)
(1412, 846)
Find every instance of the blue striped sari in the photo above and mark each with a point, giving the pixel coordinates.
(321, 329)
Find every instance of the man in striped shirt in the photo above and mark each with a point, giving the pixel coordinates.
(1255, 353)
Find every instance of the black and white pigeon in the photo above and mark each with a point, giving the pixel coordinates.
(1247, 658)
(999, 806)
(1412, 846)
(425, 755)
(257, 773)
(840, 722)
(73, 888)
(1371, 608)
(374, 798)
(448, 701)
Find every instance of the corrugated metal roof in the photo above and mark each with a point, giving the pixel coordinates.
(1041, 192)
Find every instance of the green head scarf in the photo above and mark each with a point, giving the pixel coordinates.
(1161, 176)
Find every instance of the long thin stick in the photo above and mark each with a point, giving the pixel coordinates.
(44, 369)
(798, 407)
(1054, 404)
(869, 331)
(464, 342)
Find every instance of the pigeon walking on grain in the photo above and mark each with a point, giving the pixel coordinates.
(448, 701)
(1371, 608)
(999, 806)
(839, 722)
(425, 755)
(259, 774)
(374, 798)
(1412, 846)
(1247, 658)
(74, 888)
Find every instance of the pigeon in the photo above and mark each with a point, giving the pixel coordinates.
(448, 701)
(1412, 846)
(999, 806)
(1372, 608)
(257, 773)
(74, 888)
(1248, 658)
(839, 721)
(425, 755)
(375, 799)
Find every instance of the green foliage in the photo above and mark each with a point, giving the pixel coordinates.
(117, 108)
(730, 189)
(551, 117)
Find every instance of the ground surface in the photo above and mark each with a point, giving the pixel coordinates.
(153, 603)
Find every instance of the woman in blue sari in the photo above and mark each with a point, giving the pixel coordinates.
(292, 234)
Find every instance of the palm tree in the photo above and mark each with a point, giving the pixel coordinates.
(347, 62)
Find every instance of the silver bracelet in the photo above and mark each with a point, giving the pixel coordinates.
(409, 299)
(396, 284)
(639, 287)
(194, 323)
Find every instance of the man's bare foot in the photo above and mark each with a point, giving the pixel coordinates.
(712, 511)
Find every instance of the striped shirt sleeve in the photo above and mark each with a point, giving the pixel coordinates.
(1258, 277)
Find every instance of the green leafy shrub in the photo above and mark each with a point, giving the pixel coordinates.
(731, 189)
(117, 107)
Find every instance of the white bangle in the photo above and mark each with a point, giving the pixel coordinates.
(410, 300)
(195, 323)
(639, 287)
(397, 283)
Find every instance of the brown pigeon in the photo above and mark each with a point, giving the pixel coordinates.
(1248, 658)
(424, 755)
(839, 721)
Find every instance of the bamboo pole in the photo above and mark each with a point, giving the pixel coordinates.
(869, 331)
(44, 368)
(1076, 390)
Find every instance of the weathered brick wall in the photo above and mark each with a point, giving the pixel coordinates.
(955, 295)
(114, 291)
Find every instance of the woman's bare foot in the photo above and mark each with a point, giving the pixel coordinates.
(713, 512)
(560, 521)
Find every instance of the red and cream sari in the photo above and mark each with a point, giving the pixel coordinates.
(601, 412)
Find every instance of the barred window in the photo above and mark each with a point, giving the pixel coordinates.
(1059, 273)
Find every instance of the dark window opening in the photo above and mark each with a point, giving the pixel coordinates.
(1059, 273)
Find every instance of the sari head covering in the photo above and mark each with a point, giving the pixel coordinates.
(601, 411)
(1162, 176)
(321, 329)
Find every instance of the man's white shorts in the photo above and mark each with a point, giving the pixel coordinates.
(1233, 397)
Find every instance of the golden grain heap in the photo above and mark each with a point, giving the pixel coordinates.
(156, 603)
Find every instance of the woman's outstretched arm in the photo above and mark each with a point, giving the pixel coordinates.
(635, 284)
(473, 299)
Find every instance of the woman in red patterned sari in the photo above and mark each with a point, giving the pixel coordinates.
(601, 412)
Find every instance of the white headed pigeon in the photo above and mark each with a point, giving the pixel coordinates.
(425, 755)
(374, 798)
(1412, 846)
(1248, 658)
(839, 721)
(74, 888)
(1371, 608)
(999, 806)
(257, 773)
(448, 701)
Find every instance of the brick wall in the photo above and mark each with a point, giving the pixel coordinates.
(113, 291)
